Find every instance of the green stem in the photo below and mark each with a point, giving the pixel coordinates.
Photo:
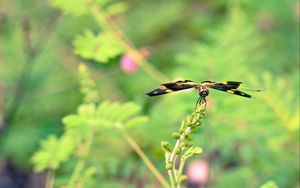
(49, 179)
(180, 170)
(76, 173)
(176, 173)
(172, 178)
(188, 124)
(170, 174)
(81, 161)
(143, 156)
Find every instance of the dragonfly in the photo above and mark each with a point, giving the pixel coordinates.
(230, 87)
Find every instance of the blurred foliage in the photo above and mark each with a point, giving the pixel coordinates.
(99, 48)
(82, 128)
(269, 184)
(247, 142)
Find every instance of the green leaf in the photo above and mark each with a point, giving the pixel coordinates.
(78, 133)
(191, 152)
(105, 114)
(166, 146)
(75, 7)
(269, 184)
(87, 109)
(102, 108)
(129, 109)
(73, 120)
(99, 47)
(116, 8)
(52, 153)
(109, 112)
(140, 120)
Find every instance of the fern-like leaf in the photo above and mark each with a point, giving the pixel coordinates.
(99, 47)
(53, 152)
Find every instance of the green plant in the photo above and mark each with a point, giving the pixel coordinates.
(175, 158)
(246, 142)
(81, 129)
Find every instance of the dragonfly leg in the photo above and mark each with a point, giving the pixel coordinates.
(203, 92)
(201, 100)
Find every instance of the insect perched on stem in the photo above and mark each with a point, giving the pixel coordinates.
(228, 87)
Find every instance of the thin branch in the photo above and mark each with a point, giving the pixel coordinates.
(80, 164)
(49, 179)
(31, 51)
(142, 155)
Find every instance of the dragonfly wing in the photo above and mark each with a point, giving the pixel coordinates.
(229, 87)
(180, 85)
(173, 86)
(237, 92)
(159, 91)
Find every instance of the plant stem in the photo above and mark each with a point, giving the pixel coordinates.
(172, 159)
(49, 179)
(180, 170)
(172, 178)
(191, 122)
(81, 161)
(143, 156)
(109, 24)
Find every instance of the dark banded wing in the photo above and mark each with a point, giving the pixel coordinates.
(229, 87)
(172, 87)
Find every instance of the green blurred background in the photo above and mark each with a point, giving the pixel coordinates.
(246, 142)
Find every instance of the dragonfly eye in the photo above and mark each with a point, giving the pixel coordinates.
(203, 92)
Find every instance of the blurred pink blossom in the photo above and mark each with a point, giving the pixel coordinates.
(198, 172)
(127, 64)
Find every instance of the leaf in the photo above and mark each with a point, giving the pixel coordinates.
(108, 112)
(140, 120)
(73, 120)
(102, 107)
(75, 7)
(129, 109)
(116, 8)
(191, 152)
(99, 47)
(52, 153)
(87, 109)
(269, 184)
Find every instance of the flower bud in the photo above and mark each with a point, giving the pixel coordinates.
(168, 166)
(176, 135)
(182, 178)
(166, 146)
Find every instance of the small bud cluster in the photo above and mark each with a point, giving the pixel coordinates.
(184, 145)
(87, 85)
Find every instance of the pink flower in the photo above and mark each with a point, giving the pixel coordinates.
(198, 172)
(127, 64)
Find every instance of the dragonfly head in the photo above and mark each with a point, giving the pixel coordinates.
(203, 91)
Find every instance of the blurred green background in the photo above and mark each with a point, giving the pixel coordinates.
(246, 142)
